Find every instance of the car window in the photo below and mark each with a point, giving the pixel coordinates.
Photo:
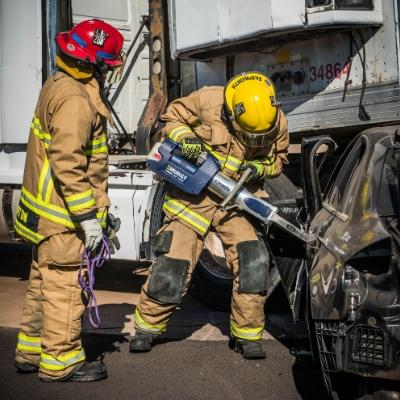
(388, 193)
(341, 185)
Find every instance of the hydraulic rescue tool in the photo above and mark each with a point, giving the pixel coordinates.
(165, 160)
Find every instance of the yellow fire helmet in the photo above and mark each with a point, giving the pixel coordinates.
(252, 107)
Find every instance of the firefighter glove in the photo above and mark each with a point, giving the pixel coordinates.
(93, 233)
(191, 148)
(257, 169)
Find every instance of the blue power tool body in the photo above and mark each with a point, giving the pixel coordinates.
(166, 160)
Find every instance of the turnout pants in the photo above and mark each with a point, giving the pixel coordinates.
(51, 320)
(171, 273)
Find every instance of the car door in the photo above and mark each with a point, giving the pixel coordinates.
(290, 254)
(322, 206)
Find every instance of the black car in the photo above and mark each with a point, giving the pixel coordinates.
(345, 283)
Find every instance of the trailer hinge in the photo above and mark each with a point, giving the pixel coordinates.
(7, 211)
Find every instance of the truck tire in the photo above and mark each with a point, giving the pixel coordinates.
(212, 280)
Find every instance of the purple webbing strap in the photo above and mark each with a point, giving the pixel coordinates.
(87, 284)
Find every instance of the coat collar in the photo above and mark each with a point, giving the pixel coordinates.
(93, 90)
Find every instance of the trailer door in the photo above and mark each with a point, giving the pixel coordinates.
(125, 15)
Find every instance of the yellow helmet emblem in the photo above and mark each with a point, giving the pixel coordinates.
(251, 103)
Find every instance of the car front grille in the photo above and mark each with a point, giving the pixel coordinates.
(327, 333)
(368, 345)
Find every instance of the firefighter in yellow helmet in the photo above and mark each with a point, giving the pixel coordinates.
(63, 205)
(243, 127)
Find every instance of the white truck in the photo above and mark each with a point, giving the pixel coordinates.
(336, 67)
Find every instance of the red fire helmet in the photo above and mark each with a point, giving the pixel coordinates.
(91, 41)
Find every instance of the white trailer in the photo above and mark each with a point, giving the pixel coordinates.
(335, 64)
(26, 53)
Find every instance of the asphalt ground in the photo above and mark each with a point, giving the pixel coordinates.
(193, 361)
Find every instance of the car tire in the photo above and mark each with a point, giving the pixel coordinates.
(212, 280)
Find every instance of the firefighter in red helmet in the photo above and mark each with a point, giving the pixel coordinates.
(64, 202)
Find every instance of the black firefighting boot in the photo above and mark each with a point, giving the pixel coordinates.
(141, 342)
(85, 372)
(250, 349)
(26, 368)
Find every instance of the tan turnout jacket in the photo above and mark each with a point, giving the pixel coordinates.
(201, 114)
(66, 169)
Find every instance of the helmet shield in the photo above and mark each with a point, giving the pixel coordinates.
(251, 139)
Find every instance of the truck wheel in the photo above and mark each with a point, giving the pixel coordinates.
(212, 279)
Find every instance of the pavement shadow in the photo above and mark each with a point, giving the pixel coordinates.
(98, 345)
(110, 335)
(294, 337)
(15, 261)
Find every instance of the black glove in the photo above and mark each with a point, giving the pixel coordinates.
(191, 148)
(113, 225)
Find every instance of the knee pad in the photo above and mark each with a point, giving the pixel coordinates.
(162, 242)
(168, 280)
(254, 260)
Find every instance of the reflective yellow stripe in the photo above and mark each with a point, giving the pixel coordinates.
(29, 343)
(102, 217)
(97, 146)
(232, 163)
(90, 152)
(80, 201)
(38, 131)
(270, 166)
(142, 325)
(246, 333)
(229, 162)
(178, 209)
(46, 182)
(62, 362)
(53, 213)
(27, 233)
(177, 133)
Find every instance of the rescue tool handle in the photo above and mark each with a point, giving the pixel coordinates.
(239, 184)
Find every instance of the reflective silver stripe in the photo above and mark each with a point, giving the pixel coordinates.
(246, 333)
(38, 131)
(78, 202)
(30, 344)
(47, 181)
(178, 209)
(228, 162)
(97, 146)
(48, 211)
(26, 233)
(26, 343)
(60, 363)
(177, 133)
(232, 163)
(142, 325)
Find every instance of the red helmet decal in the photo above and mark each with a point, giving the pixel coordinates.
(99, 37)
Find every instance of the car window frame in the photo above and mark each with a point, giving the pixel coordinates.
(357, 149)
